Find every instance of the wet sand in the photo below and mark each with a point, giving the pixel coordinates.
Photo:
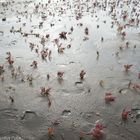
(73, 105)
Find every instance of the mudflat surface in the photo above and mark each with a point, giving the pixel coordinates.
(72, 105)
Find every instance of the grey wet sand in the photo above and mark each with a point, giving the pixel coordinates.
(45, 46)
